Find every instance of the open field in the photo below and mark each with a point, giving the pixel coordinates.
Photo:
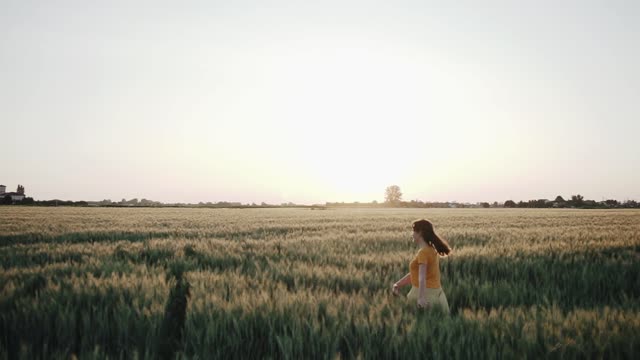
(299, 283)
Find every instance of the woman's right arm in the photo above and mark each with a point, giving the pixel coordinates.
(406, 280)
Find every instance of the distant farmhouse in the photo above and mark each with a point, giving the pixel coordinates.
(15, 196)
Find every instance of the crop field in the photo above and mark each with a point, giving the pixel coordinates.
(315, 284)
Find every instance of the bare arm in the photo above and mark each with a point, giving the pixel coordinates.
(406, 280)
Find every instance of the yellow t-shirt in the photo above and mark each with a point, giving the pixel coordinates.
(429, 256)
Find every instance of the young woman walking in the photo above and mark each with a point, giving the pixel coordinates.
(424, 274)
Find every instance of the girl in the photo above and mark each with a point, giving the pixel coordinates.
(424, 274)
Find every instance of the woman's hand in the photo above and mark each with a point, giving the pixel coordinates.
(423, 304)
(395, 290)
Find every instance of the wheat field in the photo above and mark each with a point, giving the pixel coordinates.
(314, 284)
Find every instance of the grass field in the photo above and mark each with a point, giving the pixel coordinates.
(299, 283)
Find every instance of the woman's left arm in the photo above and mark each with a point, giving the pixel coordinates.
(422, 289)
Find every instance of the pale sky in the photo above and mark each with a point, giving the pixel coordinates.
(308, 102)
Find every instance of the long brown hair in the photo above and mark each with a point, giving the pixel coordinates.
(425, 228)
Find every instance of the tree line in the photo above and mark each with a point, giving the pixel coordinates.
(7, 200)
(393, 198)
(575, 201)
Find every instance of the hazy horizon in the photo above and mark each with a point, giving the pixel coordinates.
(310, 103)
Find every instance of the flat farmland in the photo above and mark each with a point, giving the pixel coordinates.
(300, 283)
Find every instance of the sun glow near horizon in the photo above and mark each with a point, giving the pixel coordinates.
(344, 123)
(341, 139)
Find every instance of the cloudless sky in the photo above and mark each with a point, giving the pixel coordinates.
(278, 101)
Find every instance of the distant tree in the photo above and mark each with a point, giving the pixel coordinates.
(509, 204)
(590, 204)
(611, 203)
(7, 200)
(577, 200)
(27, 201)
(559, 199)
(393, 195)
(20, 190)
(540, 203)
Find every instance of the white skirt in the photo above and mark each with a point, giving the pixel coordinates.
(435, 297)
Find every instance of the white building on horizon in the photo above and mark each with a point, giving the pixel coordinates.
(15, 196)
